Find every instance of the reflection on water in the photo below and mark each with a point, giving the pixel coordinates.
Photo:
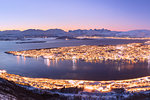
(77, 69)
(50, 63)
(24, 59)
(18, 59)
(21, 59)
(47, 62)
(74, 64)
(118, 65)
(54, 63)
(148, 63)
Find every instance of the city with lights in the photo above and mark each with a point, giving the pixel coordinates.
(75, 50)
(133, 52)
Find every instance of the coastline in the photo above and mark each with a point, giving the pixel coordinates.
(111, 88)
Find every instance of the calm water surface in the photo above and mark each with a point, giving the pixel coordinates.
(67, 69)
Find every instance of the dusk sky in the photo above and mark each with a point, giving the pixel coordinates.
(118, 15)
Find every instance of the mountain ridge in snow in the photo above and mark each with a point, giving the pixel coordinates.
(74, 33)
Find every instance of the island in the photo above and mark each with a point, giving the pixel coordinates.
(132, 52)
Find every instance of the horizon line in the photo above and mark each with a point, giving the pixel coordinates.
(67, 30)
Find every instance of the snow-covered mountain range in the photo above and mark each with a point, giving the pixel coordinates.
(72, 33)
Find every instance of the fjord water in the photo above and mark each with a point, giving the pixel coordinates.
(67, 69)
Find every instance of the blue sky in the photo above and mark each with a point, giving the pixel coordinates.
(75, 14)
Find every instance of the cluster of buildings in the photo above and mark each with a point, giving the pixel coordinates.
(129, 85)
(127, 52)
(2, 71)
